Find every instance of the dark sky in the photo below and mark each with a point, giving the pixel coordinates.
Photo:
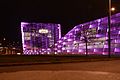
(66, 12)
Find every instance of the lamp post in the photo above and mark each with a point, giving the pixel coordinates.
(109, 29)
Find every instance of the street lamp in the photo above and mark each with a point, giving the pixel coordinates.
(113, 9)
(109, 29)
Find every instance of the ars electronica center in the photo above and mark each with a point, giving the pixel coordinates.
(41, 38)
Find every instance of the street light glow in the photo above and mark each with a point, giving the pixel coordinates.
(112, 9)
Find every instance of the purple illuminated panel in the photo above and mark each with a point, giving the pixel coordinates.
(96, 33)
(39, 38)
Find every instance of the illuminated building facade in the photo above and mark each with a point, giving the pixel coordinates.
(39, 38)
(94, 34)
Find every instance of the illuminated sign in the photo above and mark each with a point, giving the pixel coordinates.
(44, 31)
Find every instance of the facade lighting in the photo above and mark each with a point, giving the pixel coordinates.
(43, 31)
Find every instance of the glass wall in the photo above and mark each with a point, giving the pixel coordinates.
(94, 34)
(39, 38)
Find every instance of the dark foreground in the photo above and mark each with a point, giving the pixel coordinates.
(10, 60)
(102, 70)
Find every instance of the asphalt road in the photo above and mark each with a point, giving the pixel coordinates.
(102, 70)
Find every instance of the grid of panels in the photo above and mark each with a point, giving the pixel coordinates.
(95, 34)
(39, 38)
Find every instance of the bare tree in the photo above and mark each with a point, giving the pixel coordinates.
(87, 36)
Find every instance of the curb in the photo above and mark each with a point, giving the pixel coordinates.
(55, 62)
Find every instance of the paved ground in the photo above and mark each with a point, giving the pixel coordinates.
(102, 70)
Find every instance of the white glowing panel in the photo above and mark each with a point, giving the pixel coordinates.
(44, 31)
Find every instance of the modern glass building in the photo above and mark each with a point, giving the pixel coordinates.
(94, 34)
(39, 38)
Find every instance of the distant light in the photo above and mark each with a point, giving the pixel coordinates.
(48, 52)
(95, 50)
(4, 39)
(59, 41)
(18, 53)
(119, 32)
(55, 48)
(71, 34)
(64, 43)
(69, 40)
(105, 46)
(59, 46)
(63, 48)
(112, 9)
(64, 38)
(55, 52)
(42, 53)
(49, 36)
(75, 42)
(99, 20)
(68, 50)
(44, 31)
(80, 50)
(48, 49)
(59, 51)
(77, 29)
(104, 53)
(14, 48)
(43, 49)
(90, 26)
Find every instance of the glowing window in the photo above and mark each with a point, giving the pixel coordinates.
(44, 31)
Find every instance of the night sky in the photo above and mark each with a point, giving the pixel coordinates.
(66, 12)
